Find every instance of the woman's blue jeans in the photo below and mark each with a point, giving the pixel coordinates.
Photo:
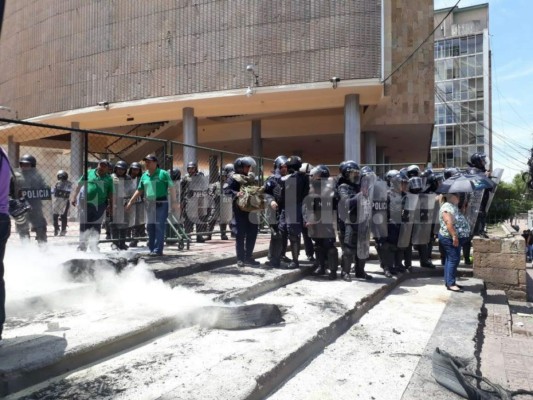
(453, 257)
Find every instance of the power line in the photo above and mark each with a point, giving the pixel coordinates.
(421, 44)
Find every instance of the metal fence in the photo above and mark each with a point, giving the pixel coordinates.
(75, 151)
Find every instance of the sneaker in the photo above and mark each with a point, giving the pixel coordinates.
(240, 264)
(286, 259)
(294, 265)
(310, 258)
(252, 263)
(388, 274)
(273, 264)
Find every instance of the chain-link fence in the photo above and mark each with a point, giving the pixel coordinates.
(59, 157)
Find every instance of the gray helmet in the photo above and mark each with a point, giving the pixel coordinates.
(192, 164)
(449, 172)
(390, 174)
(228, 169)
(242, 162)
(413, 170)
(62, 175)
(279, 161)
(28, 159)
(320, 172)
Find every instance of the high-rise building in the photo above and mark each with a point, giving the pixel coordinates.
(327, 80)
(463, 123)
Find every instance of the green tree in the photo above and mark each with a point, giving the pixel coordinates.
(510, 199)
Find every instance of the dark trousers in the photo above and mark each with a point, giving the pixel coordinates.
(91, 219)
(5, 231)
(245, 235)
(158, 214)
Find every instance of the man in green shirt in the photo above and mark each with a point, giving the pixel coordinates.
(98, 196)
(155, 184)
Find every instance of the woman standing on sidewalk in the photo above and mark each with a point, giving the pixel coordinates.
(454, 232)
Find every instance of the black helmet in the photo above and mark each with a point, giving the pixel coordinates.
(413, 170)
(350, 170)
(121, 164)
(62, 175)
(433, 182)
(28, 159)
(449, 172)
(228, 169)
(279, 161)
(320, 172)
(294, 163)
(397, 179)
(175, 174)
(415, 184)
(242, 162)
(478, 160)
(135, 165)
(192, 164)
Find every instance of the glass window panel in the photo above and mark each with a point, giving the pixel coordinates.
(479, 65)
(479, 88)
(472, 133)
(463, 46)
(455, 47)
(442, 135)
(471, 63)
(463, 73)
(435, 137)
(449, 69)
(471, 40)
(472, 89)
(449, 136)
(479, 43)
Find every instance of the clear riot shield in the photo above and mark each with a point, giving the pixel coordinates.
(408, 213)
(474, 200)
(496, 178)
(378, 222)
(424, 217)
(199, 202)
(364, 215)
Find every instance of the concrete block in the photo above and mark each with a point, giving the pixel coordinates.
(497, 275)
(517, 295)
(501, 260)
(514, 245)
(492, 245)
(522, 277)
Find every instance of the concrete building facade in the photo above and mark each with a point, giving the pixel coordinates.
(463, 94)
(327, 80)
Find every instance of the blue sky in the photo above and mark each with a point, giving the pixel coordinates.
(511, 35)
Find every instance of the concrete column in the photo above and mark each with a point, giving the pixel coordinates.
(257, 145)
(370, 148)
(13, 151)
(76, 152)
(352, 128)
(380, 160)
(190, 136)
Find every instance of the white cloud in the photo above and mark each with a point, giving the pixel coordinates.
(519, 73)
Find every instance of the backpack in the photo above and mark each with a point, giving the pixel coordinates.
(254, 197)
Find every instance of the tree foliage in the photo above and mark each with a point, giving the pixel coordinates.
(509, 200)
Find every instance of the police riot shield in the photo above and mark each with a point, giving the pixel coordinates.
(378, 222)
(496, 178)
(198, 202)
(474, 201)
(409, 204)
(364, 215)
(423, 222)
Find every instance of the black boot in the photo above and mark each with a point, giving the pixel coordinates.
(63, 225)
(346, 264)
(466, 253)
(55, 218)
(223, 235)
(320, 268)
(360, 270)
(295, 252)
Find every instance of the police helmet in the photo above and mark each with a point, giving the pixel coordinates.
(279, 161)
(192, 164)
(320, 172)
(135, 165)
(306, 168)
(449, 172)
(390, 174)
(413, 170)
(121, 164)
(28, 159)
(415, 184)
(478, 160)
(397, 179)
(366, 170)
(62, 175)
(350, 170)
(175, 174)
(294, 163)
(242, 162)
(228, 169)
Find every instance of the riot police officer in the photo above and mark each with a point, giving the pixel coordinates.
(137, 215)
(295, 189)
(30, 184)
(195, 201)
(122, 192)
(245, 224)
(318, 215)
(478, 166)
(222, 203)
(60, 202)
(273, 189)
